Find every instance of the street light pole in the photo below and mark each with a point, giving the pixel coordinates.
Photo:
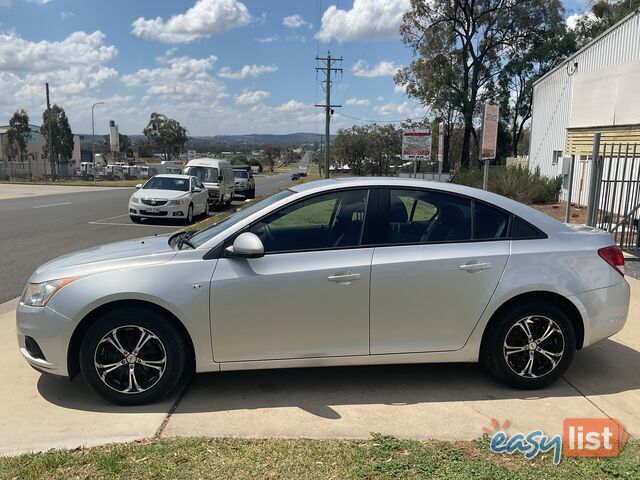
(93, 140)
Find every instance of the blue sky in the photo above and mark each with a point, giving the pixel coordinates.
(218, 66)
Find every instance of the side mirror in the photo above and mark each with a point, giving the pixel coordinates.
(220, 178)
(246, 245)
(197, 189)
(139, 186)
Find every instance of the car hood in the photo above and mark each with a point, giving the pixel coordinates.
(153, 193)
(138, 252)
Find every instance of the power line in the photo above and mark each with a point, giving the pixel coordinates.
(381, 121)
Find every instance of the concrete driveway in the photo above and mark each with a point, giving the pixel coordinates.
(447, 402)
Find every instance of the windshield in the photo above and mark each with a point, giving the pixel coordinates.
(167, 183)
(205, 174)
(208, 233)
(241, 174)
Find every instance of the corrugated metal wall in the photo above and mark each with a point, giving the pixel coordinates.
(552, 95)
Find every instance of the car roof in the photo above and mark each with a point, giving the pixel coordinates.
(206, 162)
(173, 175)
(530, 214)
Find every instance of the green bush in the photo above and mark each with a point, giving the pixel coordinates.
(513, 182)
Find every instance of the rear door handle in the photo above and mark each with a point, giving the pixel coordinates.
(475, 267)
(344, 278)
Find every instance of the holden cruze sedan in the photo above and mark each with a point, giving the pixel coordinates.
(336, 272)
(178, 197)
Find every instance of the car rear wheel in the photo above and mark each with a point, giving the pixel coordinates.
(132, 356)
(530, 346)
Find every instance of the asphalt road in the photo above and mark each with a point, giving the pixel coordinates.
(34, 230)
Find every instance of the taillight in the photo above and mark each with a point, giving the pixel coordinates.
(614, 257)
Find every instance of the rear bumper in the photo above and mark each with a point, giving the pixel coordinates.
(604, 311)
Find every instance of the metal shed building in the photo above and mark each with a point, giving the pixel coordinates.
(595, 90)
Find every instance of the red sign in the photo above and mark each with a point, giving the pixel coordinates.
(416, 145)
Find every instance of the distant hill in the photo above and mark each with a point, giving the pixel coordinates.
(258, 139)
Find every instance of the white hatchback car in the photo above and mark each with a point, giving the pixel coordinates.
(169, 196)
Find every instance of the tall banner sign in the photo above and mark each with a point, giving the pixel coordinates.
(490, 131)
(440, 142)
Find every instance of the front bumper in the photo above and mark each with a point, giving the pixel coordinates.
(164, 211)
(51, 331)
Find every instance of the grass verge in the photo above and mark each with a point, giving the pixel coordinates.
(82, 183)
(381, 457)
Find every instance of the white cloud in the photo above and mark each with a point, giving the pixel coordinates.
(401, 89)
(399, 109)
(270, 39)
(291, 106)
(249, 97)
(384, 68)
(357, 102)
(246, 71)
(65, 15)
(73, 67)
(182, 79)
(572, 20)
(294, 21)
(78, 49)
(204, 19)
(367, 19)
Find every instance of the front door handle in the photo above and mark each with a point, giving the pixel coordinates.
(475, 267)
(344, 277)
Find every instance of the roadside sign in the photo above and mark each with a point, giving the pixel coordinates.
(416, 145)
(490, 131)
(440, 141)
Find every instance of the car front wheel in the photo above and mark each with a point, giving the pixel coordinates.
(530, 346)
(132, 356)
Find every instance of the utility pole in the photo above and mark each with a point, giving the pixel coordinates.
(51, 156)
(327, 67)
(93, 142)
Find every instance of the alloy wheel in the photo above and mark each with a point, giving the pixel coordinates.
(534, 346)
(130, 359)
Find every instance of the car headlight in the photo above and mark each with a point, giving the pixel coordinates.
(180, 201)
(38, 294)
(134, 200)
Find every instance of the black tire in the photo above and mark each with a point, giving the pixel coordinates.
(252, 193)
(129, 323)
(549, 358)
(189, 218)
(135, 219)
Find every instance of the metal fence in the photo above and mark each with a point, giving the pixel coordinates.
(614, 191)
(432, 176)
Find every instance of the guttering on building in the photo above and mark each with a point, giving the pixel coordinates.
(595, 90)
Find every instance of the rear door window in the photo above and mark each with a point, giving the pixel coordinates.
(422, 216)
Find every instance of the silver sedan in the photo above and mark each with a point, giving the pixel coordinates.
(337, 272)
